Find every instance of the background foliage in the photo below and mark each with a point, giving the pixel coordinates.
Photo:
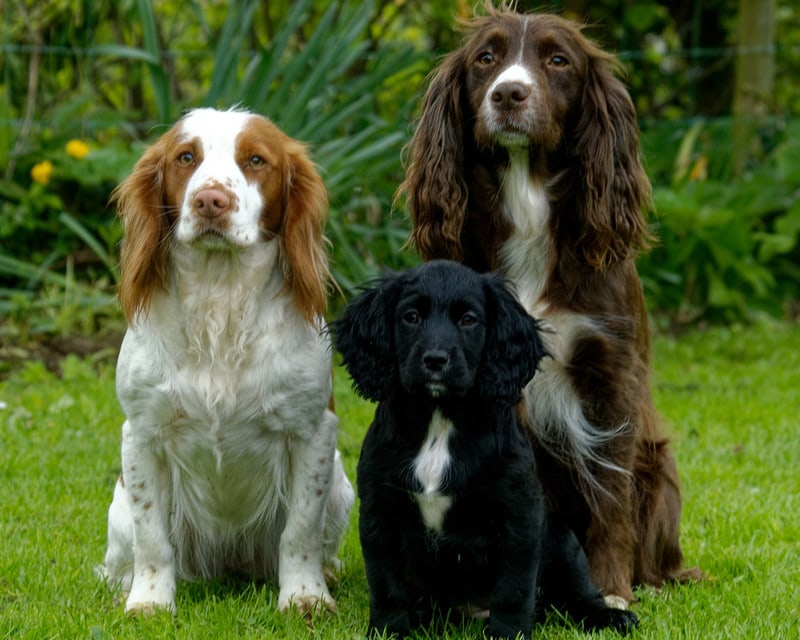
(347, 77)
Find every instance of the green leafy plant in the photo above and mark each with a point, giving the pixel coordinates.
(318, 73)
(729, 247)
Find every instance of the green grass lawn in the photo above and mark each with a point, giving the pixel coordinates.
(730, 397)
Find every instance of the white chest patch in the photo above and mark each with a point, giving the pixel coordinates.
(525, 256)
(430, 469)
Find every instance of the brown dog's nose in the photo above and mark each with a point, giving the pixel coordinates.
(510, 95)
(211, 203)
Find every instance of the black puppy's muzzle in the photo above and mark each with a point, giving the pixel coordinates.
(435, 361)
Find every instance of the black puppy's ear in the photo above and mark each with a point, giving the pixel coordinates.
(364, 335)
(513, 346)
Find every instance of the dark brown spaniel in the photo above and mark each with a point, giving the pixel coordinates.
(526, 161)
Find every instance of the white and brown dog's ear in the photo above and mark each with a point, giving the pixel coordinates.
(146, 220)
(513, 346)
(305, 211)
(364, 334)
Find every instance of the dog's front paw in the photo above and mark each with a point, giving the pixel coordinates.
(396, 624)
(497, 630)
(149, 608)
(615, 602)
(307, 599)
(151, 591)
(619, 620)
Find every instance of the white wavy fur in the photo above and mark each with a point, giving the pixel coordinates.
(229, 450)
(554, 407)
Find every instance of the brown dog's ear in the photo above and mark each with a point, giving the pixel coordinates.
(142, 207)
(434, 186)
(615, 188)
(303, 244)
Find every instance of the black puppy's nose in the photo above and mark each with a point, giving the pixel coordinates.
(435, 360)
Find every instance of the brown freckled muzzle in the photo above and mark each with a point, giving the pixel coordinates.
(210, 203)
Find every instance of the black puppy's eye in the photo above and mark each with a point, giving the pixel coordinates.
(485, 57)
(559, 61)
(411, 317)
(469, 319)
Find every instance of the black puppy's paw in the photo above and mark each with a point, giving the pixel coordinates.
(393, 625)
(620, 620)
(497, 630)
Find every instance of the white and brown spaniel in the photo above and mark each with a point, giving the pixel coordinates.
(229, 459)
(526, 161)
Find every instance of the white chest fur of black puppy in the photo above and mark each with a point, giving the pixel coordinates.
(452, 512)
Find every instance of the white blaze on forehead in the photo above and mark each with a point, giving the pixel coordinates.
(216, 134)
(218, 128)
(514, 73)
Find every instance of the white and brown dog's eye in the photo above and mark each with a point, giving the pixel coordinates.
(485, 57)
(255, 162)
(558, 61)
(186, 159)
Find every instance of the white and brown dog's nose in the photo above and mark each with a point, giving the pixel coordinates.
(211, 203)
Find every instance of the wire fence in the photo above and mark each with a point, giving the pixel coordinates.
(690, 70)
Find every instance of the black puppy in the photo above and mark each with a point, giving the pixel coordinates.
(452, 512)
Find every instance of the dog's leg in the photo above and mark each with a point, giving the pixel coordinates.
(302, 584)
(392, 543)
(512, 606)
(337, 515)
(659, 556)
(117, 567)
(610, 538)
(391, 600)
(147, 488)
(569, 587)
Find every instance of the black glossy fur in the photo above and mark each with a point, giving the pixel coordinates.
(442, 340)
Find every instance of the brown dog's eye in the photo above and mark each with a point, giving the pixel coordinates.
(255, 162)
(186, 159)
(559, 61)
(485, 58)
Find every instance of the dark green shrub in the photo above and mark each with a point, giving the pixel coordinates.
(729, 248)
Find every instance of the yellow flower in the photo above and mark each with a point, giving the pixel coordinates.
(42, 171)
(699, 172)
(77, 149)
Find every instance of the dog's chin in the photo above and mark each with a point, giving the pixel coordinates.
(212, 242)
(439, 389)
(511, 139)
(436, 389)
